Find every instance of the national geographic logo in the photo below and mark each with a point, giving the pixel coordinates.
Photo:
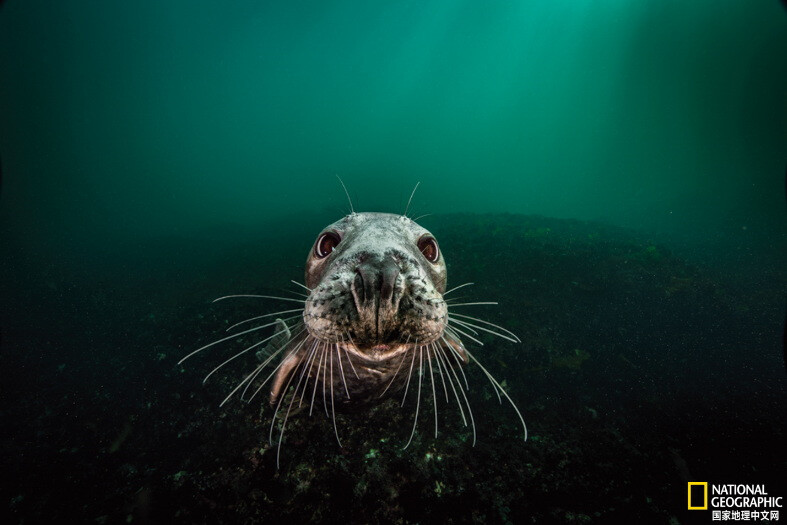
(698, 494)
(734, 502)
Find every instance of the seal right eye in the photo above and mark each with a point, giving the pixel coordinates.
(325, 244)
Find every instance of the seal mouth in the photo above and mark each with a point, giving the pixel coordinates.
(376, 352)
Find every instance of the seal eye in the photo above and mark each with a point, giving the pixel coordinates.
(427, 245)
(325, 244)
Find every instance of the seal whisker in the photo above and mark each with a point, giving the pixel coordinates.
(497, 393)
(457, 287)
(494, 382)
(458, 360)
(410, 373)
(440, 369)
(276, 412)
(456, 329)
(464, 396)
(266, 315)
(251, 381)
(341, 369)
(259, 369)
(349, 359)
(249, 378)
(289, 408)
(418, 398)
(325, 378)
(333, 410)
(434, 393)
(305, 359)
(301, 285)
(259, 297)
(347, 193)
(293, 292)
(309, 354)
(404, 356)
(316, 379)
(449, 320)
(477, 320)
(441, 357)
(273, 372)
(255, 345)
(467, 325)
(456, 384)
(310, 365)
(233, 336)
(457, 356)
(411, 198)
(472, 304)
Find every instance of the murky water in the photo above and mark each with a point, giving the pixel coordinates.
(611, 174)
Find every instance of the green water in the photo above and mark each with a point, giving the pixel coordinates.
(611, 173)
(162, 117)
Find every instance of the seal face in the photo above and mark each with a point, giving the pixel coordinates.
(375, 287)
(375, 314)
(376, 282)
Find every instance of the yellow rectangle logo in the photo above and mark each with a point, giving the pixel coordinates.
(704, 505)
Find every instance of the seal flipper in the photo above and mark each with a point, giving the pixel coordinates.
(286, 368)
(277, 343)
(281, 338)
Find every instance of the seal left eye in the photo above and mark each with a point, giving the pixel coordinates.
(325, 244)
(428, 246)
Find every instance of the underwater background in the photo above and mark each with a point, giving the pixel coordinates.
(611, 173)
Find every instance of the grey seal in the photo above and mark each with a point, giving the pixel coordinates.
(376, 282)
(375, 313)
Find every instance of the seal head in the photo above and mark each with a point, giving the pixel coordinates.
(377, 280)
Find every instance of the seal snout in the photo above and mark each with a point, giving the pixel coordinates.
(373, 291)
(375, 279)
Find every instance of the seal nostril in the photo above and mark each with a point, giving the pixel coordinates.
(358, 289)
(375, 284)
(386, 292)
(389, 272)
